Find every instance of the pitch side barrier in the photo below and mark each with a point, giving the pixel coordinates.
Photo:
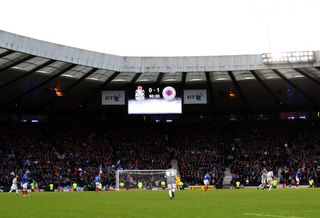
(197, 187)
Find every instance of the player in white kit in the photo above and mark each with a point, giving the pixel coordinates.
(171, 181)
(14, 186)
(263, 180)
(270, 179)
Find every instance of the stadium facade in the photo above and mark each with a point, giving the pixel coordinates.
(33, 73)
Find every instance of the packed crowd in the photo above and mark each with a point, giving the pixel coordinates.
(65, 154)
(282, 148)
(62, 155)
(54, 155)
(199, 151)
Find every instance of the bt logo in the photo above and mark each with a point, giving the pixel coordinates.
(197, 97)
(112, 97)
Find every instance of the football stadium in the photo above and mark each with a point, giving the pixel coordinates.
(91, 134)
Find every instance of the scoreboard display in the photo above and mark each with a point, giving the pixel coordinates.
(148, 99)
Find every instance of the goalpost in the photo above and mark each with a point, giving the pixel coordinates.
(150, 179)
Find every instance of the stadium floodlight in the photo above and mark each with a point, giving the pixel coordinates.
(289, 57)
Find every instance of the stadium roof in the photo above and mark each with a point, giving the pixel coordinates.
(30, 70)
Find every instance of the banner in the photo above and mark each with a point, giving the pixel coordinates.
(113, 98)
(196, 96)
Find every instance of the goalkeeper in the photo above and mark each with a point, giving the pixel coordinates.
(129, 180)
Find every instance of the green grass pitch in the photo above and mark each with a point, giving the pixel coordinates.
(247, 203)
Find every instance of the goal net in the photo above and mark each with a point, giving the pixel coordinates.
(150, 179)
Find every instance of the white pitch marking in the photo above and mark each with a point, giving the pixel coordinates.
(269, 215)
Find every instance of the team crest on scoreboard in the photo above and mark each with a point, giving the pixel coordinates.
(139, 93)
(169, 93)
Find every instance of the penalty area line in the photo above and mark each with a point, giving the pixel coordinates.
(269, 215)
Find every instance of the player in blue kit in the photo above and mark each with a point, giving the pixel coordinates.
(24, 184)
(206, 181)
(97, 181)
(298, 178)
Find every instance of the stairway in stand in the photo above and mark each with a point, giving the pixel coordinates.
(227, 177)
(174, 164)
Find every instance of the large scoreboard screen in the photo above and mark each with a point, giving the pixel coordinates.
(150, 99)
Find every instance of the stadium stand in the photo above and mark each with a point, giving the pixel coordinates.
(64, 154)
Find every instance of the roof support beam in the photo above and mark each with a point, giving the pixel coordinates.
(27, 74)
(183, 79)
(6, 53)
(274, 96)
(243, 97)
(17, 62)
(210, 90)
(36, 87)
(306, 75)
(99, 88)
(159, 78)
(134, 79)
(312, 101)
(52, 99)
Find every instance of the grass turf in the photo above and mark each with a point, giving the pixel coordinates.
(248, 203)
